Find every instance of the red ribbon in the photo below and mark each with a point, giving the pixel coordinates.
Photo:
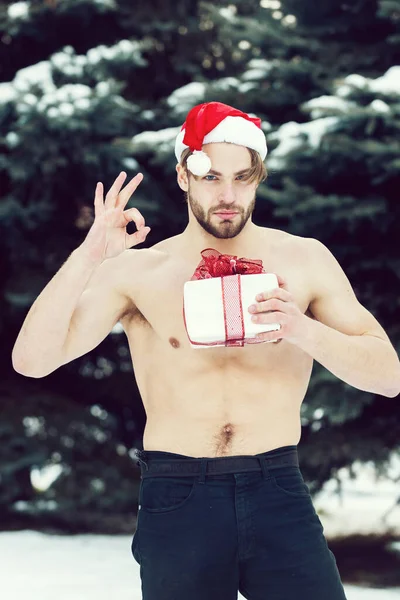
(215, 264)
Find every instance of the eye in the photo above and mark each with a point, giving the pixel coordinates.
(209, 176)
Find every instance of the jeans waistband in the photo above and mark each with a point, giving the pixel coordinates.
(155, 463)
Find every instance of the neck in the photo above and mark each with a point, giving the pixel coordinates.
(196, 239)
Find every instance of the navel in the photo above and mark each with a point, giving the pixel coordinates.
(224, 439)
(174, 342)
(226, 433)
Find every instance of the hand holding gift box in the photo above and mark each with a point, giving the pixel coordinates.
(216, 301)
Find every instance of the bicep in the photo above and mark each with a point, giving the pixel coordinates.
(334, 302)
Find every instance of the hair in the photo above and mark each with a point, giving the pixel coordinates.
(258, 171)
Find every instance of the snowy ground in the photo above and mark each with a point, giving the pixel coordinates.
(366, 505)
(87, 567)
(99, 567)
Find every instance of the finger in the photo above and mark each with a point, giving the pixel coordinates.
(280, 293)
(136, 238)
(128, 190)
(270, 335)
(132, 214)
(274, 304)
(270, 318)
(281, 280)
(113, 192)
(98, 199)
(267, 337)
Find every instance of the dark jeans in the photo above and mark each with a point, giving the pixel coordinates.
(207, 536)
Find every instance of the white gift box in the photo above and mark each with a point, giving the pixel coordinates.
(216, 310)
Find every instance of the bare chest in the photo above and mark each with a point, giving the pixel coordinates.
(181, 386)
(158, 298)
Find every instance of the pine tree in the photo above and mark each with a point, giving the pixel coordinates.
(94, 87)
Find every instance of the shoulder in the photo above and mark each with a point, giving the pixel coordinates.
(322, 265)
(319, 255)
(308, 248)
(315, 260)
(326, 275)
(295, 246)
(136, 261)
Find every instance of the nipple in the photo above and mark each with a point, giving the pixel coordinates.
(174, 342)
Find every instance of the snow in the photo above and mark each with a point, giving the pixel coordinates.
(106, 3)
(289, 21)
(319, 106)
(7, 92)
(183, 98)
(12, 139)
(226, 83)
(379, 106)
(18, 10)
(163, 140)
(258, 68)
(82, 104)
(366, 503)
(387, 84)
(243, 88)
(228, 12)
(89, 567)
(291, 136)
(271, 4)
(42, 479)
(121, 50)
(130, 163)
(38, 74)
(254, 74)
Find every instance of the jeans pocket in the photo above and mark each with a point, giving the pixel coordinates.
(165, 494)
(289, 481)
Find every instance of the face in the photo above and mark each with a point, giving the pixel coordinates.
(224, 188)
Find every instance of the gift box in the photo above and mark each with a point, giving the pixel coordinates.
(217, 298)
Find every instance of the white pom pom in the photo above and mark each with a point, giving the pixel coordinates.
(199, 163)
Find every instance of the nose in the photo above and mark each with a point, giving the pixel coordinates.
(228, 194)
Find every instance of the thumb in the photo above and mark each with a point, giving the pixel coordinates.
(281, 281)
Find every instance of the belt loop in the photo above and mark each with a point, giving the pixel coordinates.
(263, 463)
(203, 469)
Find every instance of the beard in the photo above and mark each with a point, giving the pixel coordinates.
(222, 229)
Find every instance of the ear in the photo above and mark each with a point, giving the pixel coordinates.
(182, 178)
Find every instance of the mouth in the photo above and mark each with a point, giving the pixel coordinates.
(226, 214)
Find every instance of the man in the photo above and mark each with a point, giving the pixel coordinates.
(223, 505)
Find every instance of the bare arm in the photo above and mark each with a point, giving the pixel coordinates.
(84, 300)
(346, 338)
(81, 285)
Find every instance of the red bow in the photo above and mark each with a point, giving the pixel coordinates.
(215, 264)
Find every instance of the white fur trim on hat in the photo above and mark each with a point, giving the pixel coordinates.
(234, 130)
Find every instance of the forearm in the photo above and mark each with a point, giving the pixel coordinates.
(46, 325)
(363, 361)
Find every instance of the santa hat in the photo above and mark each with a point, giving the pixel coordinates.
(217, 122)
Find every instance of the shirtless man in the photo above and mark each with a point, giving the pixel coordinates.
(222, 506)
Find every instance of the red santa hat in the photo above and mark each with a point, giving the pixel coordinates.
(217, 122)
